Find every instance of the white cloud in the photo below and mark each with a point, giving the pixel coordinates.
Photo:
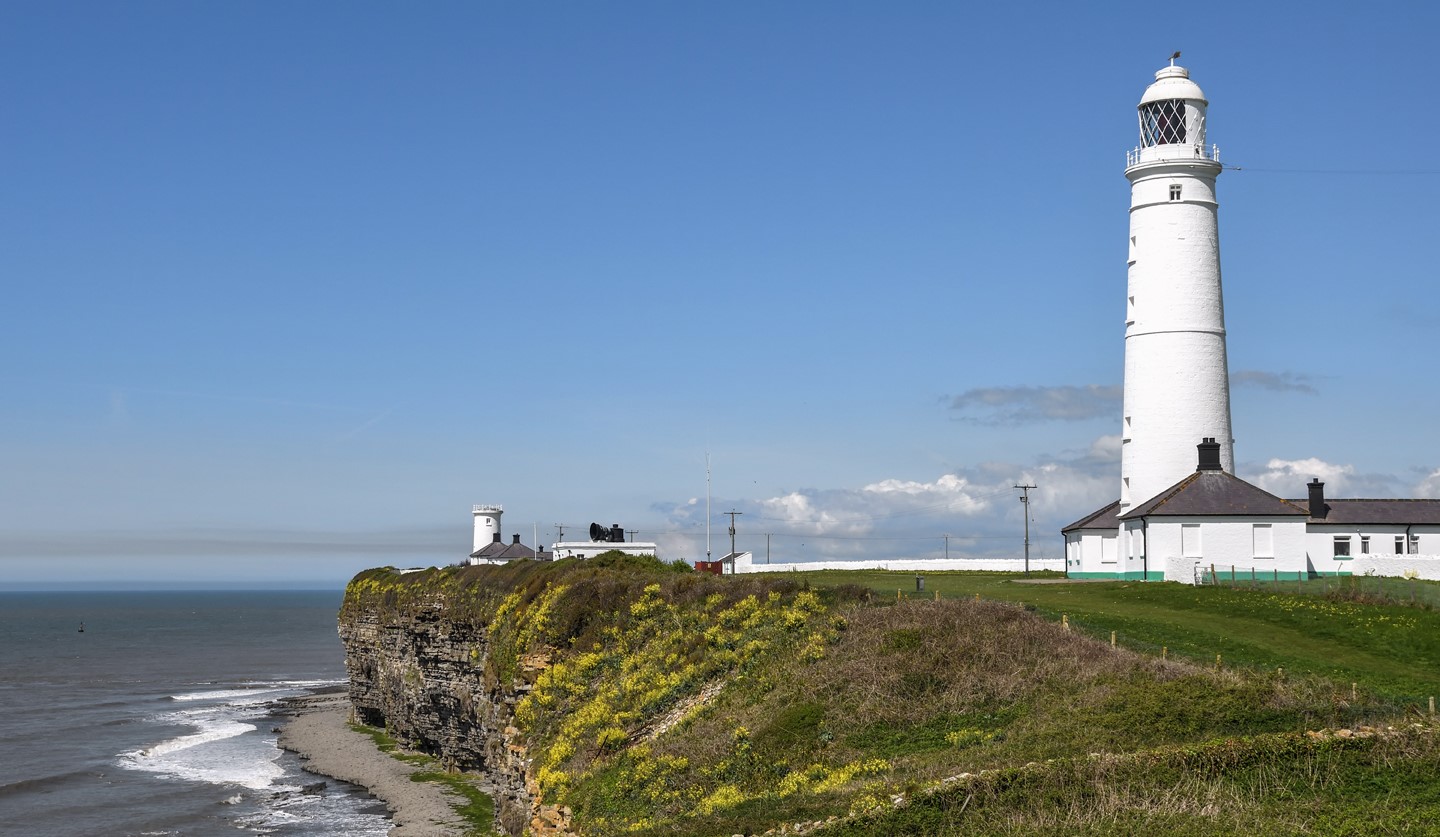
(1288, 478)
(1274, 381)
(978, 506)
(1429, 487)
(1029, 405)
(1106, 449)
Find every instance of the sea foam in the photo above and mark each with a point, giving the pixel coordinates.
(218, 751)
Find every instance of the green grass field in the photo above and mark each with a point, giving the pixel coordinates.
(1390, 650)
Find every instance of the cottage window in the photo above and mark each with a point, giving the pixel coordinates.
(1264, 538)
(1365, 545)
(1174, 191)
(1342, 547)
(1399, 544)
(1190, 540)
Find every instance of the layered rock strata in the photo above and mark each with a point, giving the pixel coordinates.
(424, 678)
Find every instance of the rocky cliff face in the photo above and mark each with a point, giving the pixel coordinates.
(422, 676)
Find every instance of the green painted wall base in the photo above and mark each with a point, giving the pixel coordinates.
(1152, 575)
(1243, 576)
(1224, 576)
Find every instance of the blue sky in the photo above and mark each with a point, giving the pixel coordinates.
(288, 287)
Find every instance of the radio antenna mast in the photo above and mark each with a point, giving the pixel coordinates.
(707, 506)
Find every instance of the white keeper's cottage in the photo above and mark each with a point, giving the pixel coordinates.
(1182, 511)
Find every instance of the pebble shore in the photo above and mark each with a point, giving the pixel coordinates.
(321, 735)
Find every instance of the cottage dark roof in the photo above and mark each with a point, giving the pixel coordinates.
(1214, 493)
(1104, 518)
(503, 552)
(1382, 512)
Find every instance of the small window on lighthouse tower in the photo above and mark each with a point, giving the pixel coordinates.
(1174, 191)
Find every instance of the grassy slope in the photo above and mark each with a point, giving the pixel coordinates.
(830, 704)
(1283, 784)
(1393, 650)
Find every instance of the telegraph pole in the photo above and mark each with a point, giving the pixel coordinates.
(560, 527)
(767, 548)
(732, 514)
(1025, 501)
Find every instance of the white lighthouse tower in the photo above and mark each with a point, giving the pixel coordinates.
(487, 525)
(1177, 388)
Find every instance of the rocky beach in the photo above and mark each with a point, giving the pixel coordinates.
(319, 732)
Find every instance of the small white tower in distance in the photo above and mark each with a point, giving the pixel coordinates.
(1177, 387)
(487, 525)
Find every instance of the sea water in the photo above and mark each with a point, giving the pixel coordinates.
(158, 718)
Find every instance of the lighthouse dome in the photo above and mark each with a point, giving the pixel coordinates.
(1172, 83)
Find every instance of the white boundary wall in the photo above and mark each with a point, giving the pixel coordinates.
(589, 549)
(745, 563)
(1397, 566)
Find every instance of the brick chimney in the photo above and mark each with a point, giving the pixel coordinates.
(1318, 509)
(1209, 451)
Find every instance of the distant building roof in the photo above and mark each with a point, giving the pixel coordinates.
(497, 551)
(1384, 512)
(1106, 517)
(1214, 493)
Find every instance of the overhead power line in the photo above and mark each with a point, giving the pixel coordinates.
(1381, 172)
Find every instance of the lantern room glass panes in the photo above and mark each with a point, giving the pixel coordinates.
(1162, 123)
